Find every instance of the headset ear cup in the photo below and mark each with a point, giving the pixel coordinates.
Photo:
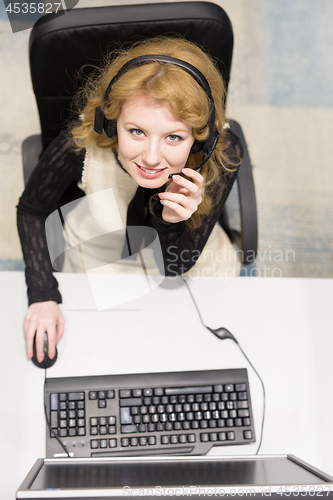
(99, 121)
(110, 127)
(196, 147)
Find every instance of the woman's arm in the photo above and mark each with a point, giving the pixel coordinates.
(56, 170)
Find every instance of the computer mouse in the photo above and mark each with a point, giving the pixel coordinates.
(47, 362)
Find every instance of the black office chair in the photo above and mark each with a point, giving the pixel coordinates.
(62, 44)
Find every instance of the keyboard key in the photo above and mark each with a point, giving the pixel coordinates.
(125, 416)
(54, 402)
(81, 422)
(112, 429)
(81, 431)
(246, 421)
(92, 395)
(182, 438)
(110, 394)
(112, 443)
(125, 442)
(143, 441)
(242, 404)
(128, 429)
(94, 444)
(242, 396)
(93, 421)
(222, 436)
(213, 436)
(164, 439)
(188, 390)
(147, 392)
(158, 391)
(72, 432)
(218, 388)
(102, 403)
(243, 413)
(204, 437)
(71, 405)
(131, 402)
(54, 419)
(102, 430)
(229, 387)
(103, 443)
(136, 393)
(191, 438)
(75, 396)
(152, 440)
(174, 439)
(125, 393)
(63, 397)
(247, 434)
(112, 420)
(240, 387)
(231, 436)
(134, 441)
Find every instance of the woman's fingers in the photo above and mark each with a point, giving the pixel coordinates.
(43, 317)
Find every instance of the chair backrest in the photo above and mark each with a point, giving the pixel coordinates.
(60, 47)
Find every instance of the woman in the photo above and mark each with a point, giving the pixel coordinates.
(134, 132)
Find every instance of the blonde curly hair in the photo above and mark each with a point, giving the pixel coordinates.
(167, 83)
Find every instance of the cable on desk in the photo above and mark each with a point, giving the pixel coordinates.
(48, 422)
(222, 333)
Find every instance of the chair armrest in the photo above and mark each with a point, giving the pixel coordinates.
(32, 148)
(247, 201)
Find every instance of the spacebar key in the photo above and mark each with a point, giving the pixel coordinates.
(127, 429)
(169, 391)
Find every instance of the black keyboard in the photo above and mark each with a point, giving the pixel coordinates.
(148, 414)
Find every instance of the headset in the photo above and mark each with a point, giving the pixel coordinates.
(110, 126)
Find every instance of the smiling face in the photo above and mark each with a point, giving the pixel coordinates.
(152, 142)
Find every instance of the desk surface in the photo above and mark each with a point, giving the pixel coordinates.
(283, 325)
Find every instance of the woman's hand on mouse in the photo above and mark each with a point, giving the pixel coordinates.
(43, 317)
(182, 197)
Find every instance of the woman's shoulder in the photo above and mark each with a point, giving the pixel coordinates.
(233, 146)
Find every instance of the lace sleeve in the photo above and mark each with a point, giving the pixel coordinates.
(176, 239)
(56, 170)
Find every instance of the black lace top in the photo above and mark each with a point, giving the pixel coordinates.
(56, 171)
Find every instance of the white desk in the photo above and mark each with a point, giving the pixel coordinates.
(283, 325)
